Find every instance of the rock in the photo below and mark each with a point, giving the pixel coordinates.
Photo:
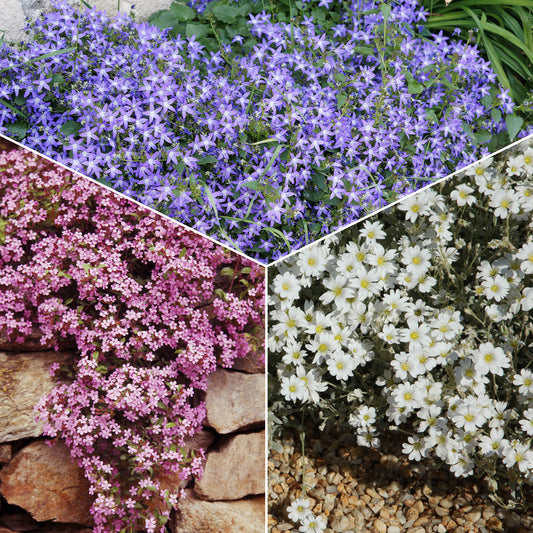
(47, 483)
(235, 401)
(203, 439)
(474, 516)
(24, 378)
(200, 516)
(5, 453)
(235, 469)
(379, 526)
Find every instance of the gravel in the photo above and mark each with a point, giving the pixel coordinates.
(361, 490)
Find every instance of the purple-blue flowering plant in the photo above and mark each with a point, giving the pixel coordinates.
(265, 147)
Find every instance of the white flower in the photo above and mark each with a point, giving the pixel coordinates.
(338, 292)
(341, 365)
(496, 288)
(518, 454)
(365, 417)
(313, 260)
(493, 444)
(479, 168)
(299, 509)
(413, 448)
(293, 388)
(515, 165)
(490, 359)
(372, 231)
(365, 282)
(381, 260)
(406, 395)
(286, 286)
(416, 334)
(461, 195)
(313, 524)
(293, 353)
(414, 206)
(525, 254)
(524, 382)
(527, 422)
(416, 260)
(469, 416)
(504, 202)
(288, 322)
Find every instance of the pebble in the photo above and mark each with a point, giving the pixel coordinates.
(379, 526)
(474, 516)
(359, 490)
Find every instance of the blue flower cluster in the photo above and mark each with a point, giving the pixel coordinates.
(264, 151)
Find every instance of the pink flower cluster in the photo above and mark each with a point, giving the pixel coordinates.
(152, 312)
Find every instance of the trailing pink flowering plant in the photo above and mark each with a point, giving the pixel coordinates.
(152, 309)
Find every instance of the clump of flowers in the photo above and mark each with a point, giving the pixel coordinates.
(152, 309)
(419, 320)
(314, 124)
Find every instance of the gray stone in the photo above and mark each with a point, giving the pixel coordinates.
(24, 379)
(235, 401)
(235, 469)
(45, 481)
(199, 516)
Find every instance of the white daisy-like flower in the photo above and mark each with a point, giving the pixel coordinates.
(495, 288)
(299, 509)
(286, 286)
(488, 358)
(341, 365)
(504, 202)
(313, 261)
(525, 254)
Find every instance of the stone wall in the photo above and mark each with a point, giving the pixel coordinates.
(13, 13)
(42, 489)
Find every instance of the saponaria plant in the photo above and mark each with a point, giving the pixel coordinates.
(151, 309)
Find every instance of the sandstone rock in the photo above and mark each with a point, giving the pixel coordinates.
(199, 516)
(24, 378)
(203, 439)
(47, 483)
(235, 401)
(235, 469)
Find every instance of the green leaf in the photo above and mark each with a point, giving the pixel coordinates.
(18, 129)
(226, 14)
(254, 185)
(341, 100)
(385, 10)
(166, 20)
(198, 30)
(320, 181)
(182, 12)
(70, 127)
(413, 86)
(496, 114)
(514, 124)
(207, 159)
(227, 271)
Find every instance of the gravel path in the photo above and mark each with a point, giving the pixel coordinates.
(361, 490)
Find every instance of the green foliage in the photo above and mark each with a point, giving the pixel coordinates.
(504, 31)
